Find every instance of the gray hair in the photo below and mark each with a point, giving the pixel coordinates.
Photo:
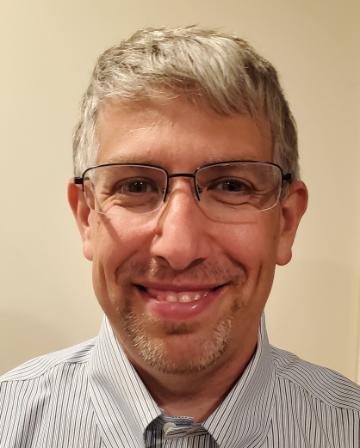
(221, 69)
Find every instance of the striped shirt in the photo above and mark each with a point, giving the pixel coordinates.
(90, 396)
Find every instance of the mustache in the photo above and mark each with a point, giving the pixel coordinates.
(204, 271)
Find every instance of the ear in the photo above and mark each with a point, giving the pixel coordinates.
(293, 206)
(81, 213)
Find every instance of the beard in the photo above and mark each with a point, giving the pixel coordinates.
(182, 348)
(197, 353)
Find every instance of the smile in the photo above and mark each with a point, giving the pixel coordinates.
(179, 294)
(179, 302)
(180, 297)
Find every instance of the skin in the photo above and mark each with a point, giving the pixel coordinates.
(188, 365)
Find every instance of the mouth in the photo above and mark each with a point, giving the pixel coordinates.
(179, 294)
(180, 301)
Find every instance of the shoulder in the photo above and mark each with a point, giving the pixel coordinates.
(47, 391)
(318, 383)
(49, 364)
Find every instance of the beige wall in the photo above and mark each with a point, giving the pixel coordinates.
(48, 49)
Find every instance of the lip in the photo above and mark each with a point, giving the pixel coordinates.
(179, 311)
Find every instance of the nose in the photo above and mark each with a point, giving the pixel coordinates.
(181, 235)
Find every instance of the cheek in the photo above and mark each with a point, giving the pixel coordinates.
(116, 241)
(251, 244)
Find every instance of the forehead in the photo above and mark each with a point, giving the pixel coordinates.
(171, 132)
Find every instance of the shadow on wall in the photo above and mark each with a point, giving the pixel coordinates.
(26, 331)
(313, 311)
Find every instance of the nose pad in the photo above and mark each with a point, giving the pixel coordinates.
(175, 195)
(188, 176)
(177, 201)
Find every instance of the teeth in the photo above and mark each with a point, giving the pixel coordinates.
(181, 298)
(195, 297)
(184, 298)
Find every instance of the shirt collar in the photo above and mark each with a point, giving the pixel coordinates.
(123, 404)
(243, 418)
(121, 401)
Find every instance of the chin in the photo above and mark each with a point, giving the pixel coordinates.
(180, 350)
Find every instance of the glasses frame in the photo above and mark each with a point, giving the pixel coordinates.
(286, 178)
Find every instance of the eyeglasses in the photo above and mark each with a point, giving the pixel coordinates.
(226, 191)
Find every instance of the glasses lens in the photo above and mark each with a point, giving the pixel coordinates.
(233, 192)
(114, 188)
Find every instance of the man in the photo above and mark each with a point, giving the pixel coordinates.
(187, 195)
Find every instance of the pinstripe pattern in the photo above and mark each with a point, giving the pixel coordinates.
(91, 396)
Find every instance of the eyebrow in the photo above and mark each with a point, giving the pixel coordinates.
(130, 159)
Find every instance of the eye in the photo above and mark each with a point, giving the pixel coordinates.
(135, 186)
(231, 185)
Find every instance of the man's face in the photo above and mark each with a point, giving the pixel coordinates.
(183, 293)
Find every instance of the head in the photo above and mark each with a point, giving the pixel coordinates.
(201, 65)
(184, 292)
